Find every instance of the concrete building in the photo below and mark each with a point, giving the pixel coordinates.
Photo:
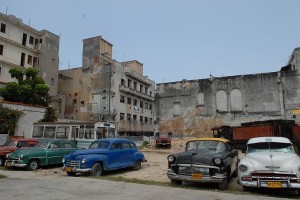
(23, 46)
(106, 90)
(193, 107)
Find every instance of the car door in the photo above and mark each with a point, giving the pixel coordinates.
(115, 156)
(127, 154)
(54, 153)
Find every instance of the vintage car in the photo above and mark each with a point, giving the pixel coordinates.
(163, 139)
(46, 152)
(205, 160)
(103, 155)
(14, 144)
(269, 162)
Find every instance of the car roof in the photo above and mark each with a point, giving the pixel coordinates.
(114, 139)
(211, 139)
(23, 139)
(268, 139)
(54, 140)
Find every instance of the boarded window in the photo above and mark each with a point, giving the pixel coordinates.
(176, 108)
(200, 99)
(221, 100)
(236, 100)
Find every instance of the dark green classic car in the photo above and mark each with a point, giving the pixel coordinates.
(46, 152)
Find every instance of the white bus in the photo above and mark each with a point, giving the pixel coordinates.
(82, 133)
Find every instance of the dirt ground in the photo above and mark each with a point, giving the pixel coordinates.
(154, 169)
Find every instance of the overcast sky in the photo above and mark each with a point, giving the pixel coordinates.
(174, 39)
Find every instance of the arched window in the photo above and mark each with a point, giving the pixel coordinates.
(221, 100)
(236, 100)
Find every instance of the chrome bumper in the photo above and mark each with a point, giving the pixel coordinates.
(205, 179)
(15, 163)
(77, 170)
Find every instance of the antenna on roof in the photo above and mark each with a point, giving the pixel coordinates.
(6, 10)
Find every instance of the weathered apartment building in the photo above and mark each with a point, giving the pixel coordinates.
(106, 90)
(194, 106)
(23, 46)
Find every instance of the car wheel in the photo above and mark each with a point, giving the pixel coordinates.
(2, 160)
(33, 164)
(223, 185)
(71, 173)
(138, 165)
(96, 169)
(176, 182)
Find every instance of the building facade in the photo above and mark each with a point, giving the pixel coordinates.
(194, 107)
(23, 46)
(106, 90)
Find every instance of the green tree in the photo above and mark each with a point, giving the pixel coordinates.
(8, 119)
(50, 115)
(32, 90)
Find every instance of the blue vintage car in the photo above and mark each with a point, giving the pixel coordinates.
(104, 155)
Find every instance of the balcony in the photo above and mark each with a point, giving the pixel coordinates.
(135, 93)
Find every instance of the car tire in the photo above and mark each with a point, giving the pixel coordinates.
(2, 161)
(33, 164)
(96, 170)
(71, 173)
(138, 165)
(176, 182)
(223, 185)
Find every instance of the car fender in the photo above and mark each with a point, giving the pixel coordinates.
(138, 156)
(92, 159)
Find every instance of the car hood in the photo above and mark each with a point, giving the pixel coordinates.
(87, 152)
(276, 161)
(195, 157)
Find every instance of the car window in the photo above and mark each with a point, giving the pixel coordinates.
(270, 147)
(126, 145)
(42, 145)
(94, 145)
(54, 146)
(22, 144)
(220, 147)
(67, 145)
(116, 146)
(133, 145)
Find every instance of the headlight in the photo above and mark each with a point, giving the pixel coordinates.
(63, 160)
(21, 156)
(83, 160)
(217, 161)
(171, 158)
(243, 168)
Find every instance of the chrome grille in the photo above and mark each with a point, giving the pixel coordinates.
(74, 163)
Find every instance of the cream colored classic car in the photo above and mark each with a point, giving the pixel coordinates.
(269, 162)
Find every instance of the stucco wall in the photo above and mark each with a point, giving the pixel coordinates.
(201, 104)
(31, 114)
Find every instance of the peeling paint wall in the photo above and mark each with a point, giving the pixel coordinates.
(226, 101)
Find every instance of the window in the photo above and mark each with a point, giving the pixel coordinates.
(34, 61)
(146, 90)
(141, 88)
(150, 106)
(142, 104)
(22, 59)
(146, 120)
(134, 85)
(129, 117)
(150, 93)
(134, 102)
(122, 116)
(116, 146)
(146, 105)
(122, 99)
(3, 28)
(31, 40)
(122, 82)
(29, 60)
(52, 81)
(129, 83)
(1, 49)
(82, 102)
(126, 145)
(134, 117)
(141, 118)
(24, 39)
(104, 97)
(129, 101)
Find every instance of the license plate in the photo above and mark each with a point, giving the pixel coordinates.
(68, 169)
(197, 176)
(274, 184)
(8, 163)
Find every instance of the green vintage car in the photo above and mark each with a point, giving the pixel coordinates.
(46, 152)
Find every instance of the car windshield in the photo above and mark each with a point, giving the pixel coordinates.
(270, 147)
(163, 135)
(99, 145)
(9, 144)
(43, 145)
(205, 145)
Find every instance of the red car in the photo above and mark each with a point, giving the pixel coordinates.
(14, 144)
(163, 139)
